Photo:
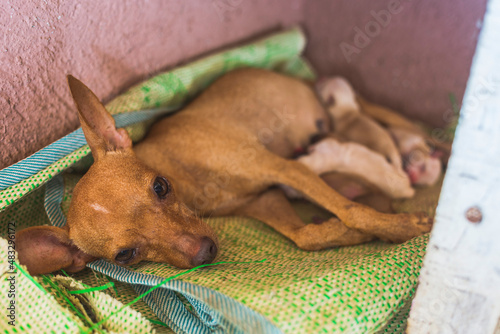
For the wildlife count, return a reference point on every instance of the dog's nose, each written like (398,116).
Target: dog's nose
(206,254)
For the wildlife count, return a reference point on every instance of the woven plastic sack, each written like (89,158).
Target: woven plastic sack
(41,305)
(362,289)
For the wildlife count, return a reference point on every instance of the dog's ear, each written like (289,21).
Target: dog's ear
(97,124)
(44,249)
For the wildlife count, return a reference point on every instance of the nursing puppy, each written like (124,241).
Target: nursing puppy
(391,150)
(403,144)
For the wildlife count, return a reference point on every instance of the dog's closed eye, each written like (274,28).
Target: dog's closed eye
(125,256)
(161,187)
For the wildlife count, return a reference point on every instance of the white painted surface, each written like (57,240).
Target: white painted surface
(459,288)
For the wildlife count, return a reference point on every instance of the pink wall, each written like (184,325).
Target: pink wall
(109,45)
(409,54)
(413,63)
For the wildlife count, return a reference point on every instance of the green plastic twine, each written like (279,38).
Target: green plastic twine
(156,322)
(97,325)
(163,282)
(55,286)
(97,288)
(25,273)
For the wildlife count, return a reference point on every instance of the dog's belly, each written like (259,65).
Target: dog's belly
(211,175)
(211,149)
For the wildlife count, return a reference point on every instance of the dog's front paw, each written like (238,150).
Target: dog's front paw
(411,225)
(424,222)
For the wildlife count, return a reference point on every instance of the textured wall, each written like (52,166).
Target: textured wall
(406,54)
(423,54)
(109,45)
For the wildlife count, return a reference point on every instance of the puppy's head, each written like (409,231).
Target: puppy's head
(337,95)
(422,168)
(121,210)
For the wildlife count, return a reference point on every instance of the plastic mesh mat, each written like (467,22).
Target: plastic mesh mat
(362,289)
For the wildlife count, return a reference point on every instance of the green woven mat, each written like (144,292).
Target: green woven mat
(45,305)
(362,289)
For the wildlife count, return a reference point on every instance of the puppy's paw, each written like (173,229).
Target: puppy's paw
(397,185)
(323,156)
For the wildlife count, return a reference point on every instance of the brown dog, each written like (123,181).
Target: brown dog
(220,156)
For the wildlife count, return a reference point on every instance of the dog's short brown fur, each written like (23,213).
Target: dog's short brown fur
(221,155)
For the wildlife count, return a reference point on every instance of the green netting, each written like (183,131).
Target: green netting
(362,289)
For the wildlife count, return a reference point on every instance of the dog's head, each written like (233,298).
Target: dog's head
(121,210)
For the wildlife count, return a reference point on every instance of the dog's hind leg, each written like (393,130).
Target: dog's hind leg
(274,209)
(393,227)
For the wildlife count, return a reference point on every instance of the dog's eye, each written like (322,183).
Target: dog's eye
(125,255)
(161,187)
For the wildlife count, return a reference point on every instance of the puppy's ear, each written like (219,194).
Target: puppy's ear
(97,124)
(44,249)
